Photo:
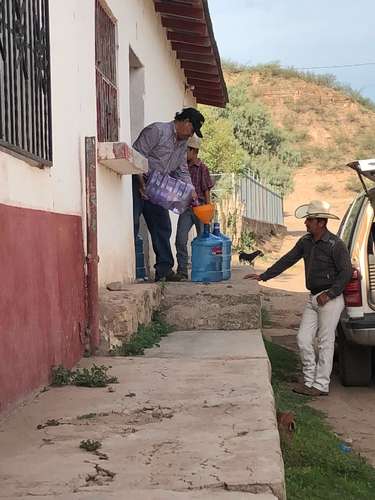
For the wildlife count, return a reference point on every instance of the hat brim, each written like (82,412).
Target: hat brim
(302,213)
(198,132)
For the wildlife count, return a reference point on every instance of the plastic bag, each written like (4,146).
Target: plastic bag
(168,192)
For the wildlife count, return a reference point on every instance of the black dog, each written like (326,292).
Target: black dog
(249,257)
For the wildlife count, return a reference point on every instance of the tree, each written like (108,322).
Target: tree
(220,149)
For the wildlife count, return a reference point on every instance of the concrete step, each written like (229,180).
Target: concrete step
(228,305)
(121,311)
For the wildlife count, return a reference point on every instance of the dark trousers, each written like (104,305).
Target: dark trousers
(160,228)
(185,222)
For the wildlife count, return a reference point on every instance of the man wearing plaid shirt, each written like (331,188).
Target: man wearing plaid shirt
(202,182)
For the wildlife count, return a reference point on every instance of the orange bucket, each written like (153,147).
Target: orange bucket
(205,213)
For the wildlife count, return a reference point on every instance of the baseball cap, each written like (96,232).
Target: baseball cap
(194,116)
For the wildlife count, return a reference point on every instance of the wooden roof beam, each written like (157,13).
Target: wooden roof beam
(202,76)
(210,69)
(204,84)
(179,24)
(194,49)
(191,56)
(179,9)
(212,102)
(188,38)
(199,92)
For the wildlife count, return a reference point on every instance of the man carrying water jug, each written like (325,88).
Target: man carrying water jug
(202,182)
(165,146)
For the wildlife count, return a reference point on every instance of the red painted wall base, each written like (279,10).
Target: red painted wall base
(42,297)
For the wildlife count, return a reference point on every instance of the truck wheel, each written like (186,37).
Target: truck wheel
(355,362)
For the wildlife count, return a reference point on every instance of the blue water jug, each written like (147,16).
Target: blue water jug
(207,257)
(140,270)
(227,251)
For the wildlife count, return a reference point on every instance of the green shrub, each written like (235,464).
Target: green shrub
(354,184)
(246,242)
(61,376)
(322,188)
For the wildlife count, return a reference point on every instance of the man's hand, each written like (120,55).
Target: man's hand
(194,195)
(323,298)
(252,276)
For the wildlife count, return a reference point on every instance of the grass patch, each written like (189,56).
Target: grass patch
(86,416)
(95,376)
(146,336)
(315,467)
(90,444)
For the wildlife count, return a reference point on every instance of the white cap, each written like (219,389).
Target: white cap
(194,142)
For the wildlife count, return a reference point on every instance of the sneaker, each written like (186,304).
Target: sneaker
(309,391)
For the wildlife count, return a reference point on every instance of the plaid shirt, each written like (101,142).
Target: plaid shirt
(200,178)
(158,143)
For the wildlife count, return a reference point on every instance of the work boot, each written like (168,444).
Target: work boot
(171,276)
(308,391)
(183,275)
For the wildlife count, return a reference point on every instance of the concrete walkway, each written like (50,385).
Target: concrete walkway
(193,419)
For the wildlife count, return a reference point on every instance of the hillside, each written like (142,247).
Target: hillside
(327,123)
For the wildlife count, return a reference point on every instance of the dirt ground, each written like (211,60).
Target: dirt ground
(349,410)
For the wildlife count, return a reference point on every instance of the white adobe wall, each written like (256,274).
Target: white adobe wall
(61,187)
(139,27)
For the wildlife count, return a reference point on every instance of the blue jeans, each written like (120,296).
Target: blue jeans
(160,228)
(185,223)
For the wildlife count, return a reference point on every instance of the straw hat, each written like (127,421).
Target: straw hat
(194,142)
(316,209)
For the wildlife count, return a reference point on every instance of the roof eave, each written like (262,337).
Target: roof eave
(189,28)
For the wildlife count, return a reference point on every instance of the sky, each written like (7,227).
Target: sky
(302,34)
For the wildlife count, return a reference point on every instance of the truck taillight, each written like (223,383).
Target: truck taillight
(352,291)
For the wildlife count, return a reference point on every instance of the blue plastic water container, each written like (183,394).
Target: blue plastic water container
(207,257)
(227,251)
(140,270)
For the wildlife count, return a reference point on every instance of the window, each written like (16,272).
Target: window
(106,81)
(25,90)
(348,225)
(136,95)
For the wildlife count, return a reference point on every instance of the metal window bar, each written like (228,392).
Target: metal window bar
(25,83)
(106,80)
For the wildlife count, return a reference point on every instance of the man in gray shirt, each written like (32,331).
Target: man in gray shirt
(328,270)
(165,147)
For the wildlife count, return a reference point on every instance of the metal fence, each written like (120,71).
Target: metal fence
(259,202)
